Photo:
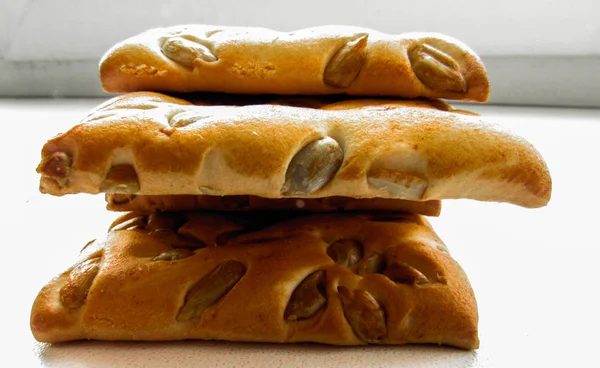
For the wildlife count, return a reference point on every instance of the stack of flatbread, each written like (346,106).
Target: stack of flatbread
(275,187)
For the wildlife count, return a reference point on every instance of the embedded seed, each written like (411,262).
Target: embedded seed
(174,254)
(212,287)
(185,52)
(119,199)
(121,179)
(131,224)
(57,166)
(313,167)
(346,64)
(412,269)
(177,240)
(74,293)
(308,298)
(363,312)
(404,274)
(87,245)
(398,184)
(345,252)
(436,69)
(375,263)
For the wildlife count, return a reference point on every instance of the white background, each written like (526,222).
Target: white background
(81,30)
(536,51)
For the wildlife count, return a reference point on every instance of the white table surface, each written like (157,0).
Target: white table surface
(533,271)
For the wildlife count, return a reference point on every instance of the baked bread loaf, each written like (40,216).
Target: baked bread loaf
(314,61)
(345,279)
(132,202)
(152,144)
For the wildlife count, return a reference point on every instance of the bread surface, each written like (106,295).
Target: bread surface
(344,279)
(313,61)
(152,144)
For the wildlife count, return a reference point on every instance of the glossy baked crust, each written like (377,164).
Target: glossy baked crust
(152,144)
(313,61)
(132,202)
(344,279)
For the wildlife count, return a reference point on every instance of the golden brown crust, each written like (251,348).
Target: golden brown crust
(329,278)
(403,149)
(313,61)
(132,202)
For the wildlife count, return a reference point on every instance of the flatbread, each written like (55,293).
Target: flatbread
(312,61)
(344,279)
(152,144)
